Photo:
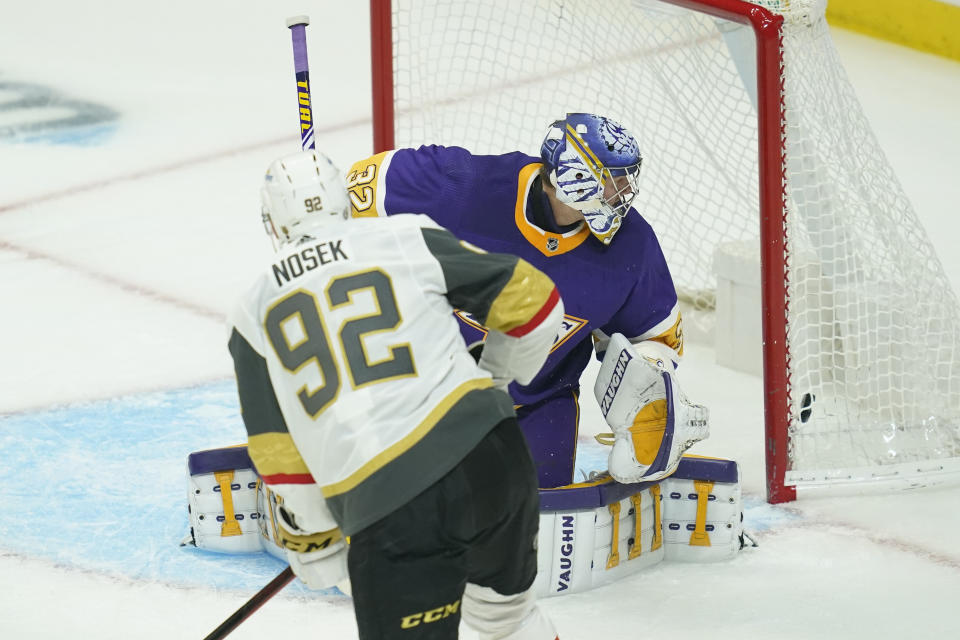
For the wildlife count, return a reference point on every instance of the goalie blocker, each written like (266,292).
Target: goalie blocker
(591,533)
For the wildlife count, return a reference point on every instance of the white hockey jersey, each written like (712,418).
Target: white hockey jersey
(354,380)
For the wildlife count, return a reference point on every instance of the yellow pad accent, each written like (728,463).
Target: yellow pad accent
(273,501)
(647,431)
(637,547)
(230,525)
(657,521)
(605,438)
(700,537)
(614,558)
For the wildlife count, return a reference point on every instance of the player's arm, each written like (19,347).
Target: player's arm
(364,182)
(423,180)
(272,450)
(518,303)
(664,338)
(307,530)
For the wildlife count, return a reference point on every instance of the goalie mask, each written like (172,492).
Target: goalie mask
(594,164)
(301,191)
(653,422)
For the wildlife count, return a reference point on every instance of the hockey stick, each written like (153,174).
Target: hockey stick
(254,603)
(298,31)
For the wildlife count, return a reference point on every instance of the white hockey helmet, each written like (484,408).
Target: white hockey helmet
(594,164)
(301,192)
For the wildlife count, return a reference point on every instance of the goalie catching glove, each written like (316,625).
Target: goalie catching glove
(653,422)
(318,559)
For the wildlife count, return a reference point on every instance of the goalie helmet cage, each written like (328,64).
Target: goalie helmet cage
(744,115)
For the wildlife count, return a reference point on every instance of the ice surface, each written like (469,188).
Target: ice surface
(124,242)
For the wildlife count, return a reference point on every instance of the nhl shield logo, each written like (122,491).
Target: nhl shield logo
(552,244)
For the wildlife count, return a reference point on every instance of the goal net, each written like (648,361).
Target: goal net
(752,137)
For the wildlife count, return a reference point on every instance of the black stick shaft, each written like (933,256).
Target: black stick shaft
(227,626)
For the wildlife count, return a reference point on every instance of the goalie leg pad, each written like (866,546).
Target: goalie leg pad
(230,509)
(593,533)
(702,511)
(596,532)
(653,422)
(222,501)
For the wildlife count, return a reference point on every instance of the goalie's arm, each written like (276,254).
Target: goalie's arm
(518,303)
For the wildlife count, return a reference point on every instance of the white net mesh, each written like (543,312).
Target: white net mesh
(873,323)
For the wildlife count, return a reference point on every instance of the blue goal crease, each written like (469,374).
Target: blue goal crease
(104,486)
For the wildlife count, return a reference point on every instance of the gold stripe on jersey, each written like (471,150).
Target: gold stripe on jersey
(524,295)
(362,182)
(404,444)
(546,242)
(275,454)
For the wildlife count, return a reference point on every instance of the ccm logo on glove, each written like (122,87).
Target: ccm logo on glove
(306,544)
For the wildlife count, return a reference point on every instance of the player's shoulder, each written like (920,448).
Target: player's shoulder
(243,315)
(434,158)
(399,220)
(428,158)
(408,226)
(454,160)
(440,157)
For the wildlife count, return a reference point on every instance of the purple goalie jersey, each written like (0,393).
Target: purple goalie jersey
(493,201)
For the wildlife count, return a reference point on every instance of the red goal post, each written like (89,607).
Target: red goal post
(744,146)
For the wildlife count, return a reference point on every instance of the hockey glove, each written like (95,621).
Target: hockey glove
(653,422)
(318,559)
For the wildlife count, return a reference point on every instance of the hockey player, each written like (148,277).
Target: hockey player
(368,417)
(560,212)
